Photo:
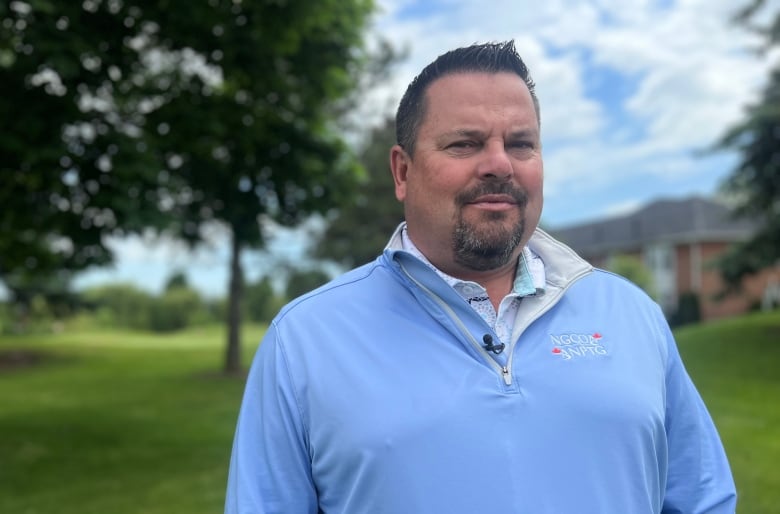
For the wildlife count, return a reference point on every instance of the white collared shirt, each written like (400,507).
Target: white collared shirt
(529,281)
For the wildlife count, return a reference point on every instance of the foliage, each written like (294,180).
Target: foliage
(177,280)
(688,310)
(69,156)
(301,281)
(755,182)
(262,302)
(172,115)
(633,269)
(359,230)
(260,141)
(127,306)
(175,309)
(34,316)
(120,305)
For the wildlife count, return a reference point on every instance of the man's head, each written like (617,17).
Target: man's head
(487,58)
(471,177)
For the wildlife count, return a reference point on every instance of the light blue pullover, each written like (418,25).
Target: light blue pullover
(373,394)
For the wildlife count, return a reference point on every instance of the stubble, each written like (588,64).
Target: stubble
(488,243)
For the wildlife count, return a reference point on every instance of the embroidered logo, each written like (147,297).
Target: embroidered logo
(570,346)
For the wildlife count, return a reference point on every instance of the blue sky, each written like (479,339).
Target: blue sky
(631,94)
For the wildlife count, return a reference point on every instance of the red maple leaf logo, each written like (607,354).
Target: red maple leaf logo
(556,350)
(597,336)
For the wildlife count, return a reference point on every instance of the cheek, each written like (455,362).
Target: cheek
(532,180)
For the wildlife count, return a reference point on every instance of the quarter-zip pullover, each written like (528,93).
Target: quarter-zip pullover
(373,394)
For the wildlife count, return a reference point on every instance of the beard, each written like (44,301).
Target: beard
(490,244)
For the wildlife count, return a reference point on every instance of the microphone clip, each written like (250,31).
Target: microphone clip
(489,346)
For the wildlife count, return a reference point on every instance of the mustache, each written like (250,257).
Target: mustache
(492,188)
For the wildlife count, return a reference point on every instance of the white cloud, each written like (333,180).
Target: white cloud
(693,69)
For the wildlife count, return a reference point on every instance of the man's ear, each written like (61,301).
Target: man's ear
(400,162)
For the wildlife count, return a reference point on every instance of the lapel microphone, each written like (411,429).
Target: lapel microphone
(489,346)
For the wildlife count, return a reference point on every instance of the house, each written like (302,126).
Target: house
(677,239)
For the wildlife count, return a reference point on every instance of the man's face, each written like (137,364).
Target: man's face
(472,192)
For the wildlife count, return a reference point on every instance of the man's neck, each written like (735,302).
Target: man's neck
(497,282)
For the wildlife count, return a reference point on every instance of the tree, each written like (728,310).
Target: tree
(301,281)
(174,115)
(177,280)
(254,138)
(755,182)
(358,231)
(261,300)
(71,170)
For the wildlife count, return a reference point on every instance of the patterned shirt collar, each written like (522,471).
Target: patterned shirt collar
(529,277)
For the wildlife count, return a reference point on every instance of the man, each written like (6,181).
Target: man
(477,365)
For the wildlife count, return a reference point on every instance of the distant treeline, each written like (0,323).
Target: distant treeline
(127,306)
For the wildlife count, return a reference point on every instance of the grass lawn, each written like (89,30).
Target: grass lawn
(115,423)
(736,367)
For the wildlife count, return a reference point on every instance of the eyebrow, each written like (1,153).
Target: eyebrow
(477,133)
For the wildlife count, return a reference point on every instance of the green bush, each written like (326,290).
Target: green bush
(261,301)
(633,269)
(175,309)
(120,305)
(688,310)
(35,316)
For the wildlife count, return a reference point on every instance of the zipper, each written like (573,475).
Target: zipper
(506,374)
(507,370)
(503,371)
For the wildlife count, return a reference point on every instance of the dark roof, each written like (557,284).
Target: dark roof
(687,220)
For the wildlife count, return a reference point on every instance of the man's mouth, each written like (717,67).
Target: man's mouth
(494,202)
(490,197)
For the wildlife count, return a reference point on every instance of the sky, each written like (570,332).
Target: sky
(633,94)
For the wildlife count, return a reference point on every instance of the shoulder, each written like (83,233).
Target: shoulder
(622,300)
(616,284)
(366,283)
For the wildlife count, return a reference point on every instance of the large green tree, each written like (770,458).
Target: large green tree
(755,182)
(181,115)
(252,136)
(70,171)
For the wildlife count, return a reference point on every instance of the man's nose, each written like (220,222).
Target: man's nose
(495,162)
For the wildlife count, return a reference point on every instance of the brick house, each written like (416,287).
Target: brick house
(677,240)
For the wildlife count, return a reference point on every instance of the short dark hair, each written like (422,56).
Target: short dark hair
(485,57)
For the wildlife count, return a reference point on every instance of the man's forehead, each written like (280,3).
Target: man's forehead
(470,86)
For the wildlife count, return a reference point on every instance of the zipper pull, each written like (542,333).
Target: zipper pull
(506,375)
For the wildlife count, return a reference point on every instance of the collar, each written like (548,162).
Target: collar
(529,277)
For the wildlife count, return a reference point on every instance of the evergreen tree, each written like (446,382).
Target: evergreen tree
(755,182)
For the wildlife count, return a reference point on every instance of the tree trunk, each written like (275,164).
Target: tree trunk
(233,353)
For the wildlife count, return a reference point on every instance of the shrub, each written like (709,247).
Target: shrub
(175,309)
(688,310)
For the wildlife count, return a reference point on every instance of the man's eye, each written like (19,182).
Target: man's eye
(462,144)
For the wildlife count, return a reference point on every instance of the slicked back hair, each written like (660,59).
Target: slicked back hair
(477,58)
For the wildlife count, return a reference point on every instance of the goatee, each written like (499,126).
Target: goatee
(489,245)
